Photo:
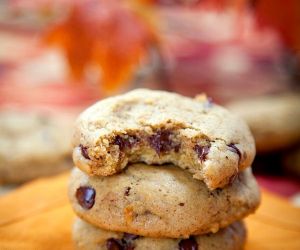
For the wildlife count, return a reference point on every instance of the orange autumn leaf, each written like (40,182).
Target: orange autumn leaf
(107,34)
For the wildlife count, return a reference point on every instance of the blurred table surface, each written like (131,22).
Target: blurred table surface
(37,215)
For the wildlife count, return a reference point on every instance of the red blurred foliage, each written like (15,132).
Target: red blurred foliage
(284,16)
(115,36)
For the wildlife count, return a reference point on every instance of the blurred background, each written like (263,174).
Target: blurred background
(57,57)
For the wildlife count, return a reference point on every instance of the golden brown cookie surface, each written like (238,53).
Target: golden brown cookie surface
(160,201)
(88,237)
(158,127)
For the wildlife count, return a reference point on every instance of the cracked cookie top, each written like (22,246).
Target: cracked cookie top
(158,127)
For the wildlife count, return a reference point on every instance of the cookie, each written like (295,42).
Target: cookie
(273,120)
(157,127)
(89,237)
(291,161)
(32,145)
(160,201)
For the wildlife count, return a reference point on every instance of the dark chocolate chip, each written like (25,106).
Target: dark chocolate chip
(129,237)
(181,204)
(188,244)
(84,151)
(202,152)
(114,244)
(126,243)
(125,143)
(234,149)
(176,148)
(127,191)
(120,142)
(86,197)
(161,142)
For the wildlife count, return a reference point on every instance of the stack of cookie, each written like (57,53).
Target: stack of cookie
(157,170)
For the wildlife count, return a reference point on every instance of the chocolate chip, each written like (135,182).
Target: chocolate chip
(86,197)
(120,142)
(129,237)
(234,149)
(127,191)
(161,142)
(181,204)
(114,244)
(84,151)
(188,244)
(202,152)
(125,143)
(176,148)
(126,243)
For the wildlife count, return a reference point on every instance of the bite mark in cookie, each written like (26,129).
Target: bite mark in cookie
(158,128)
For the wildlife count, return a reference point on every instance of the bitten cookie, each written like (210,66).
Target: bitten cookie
(88,237)
(273,120)
(158,127)
(160,201)
(32,145)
